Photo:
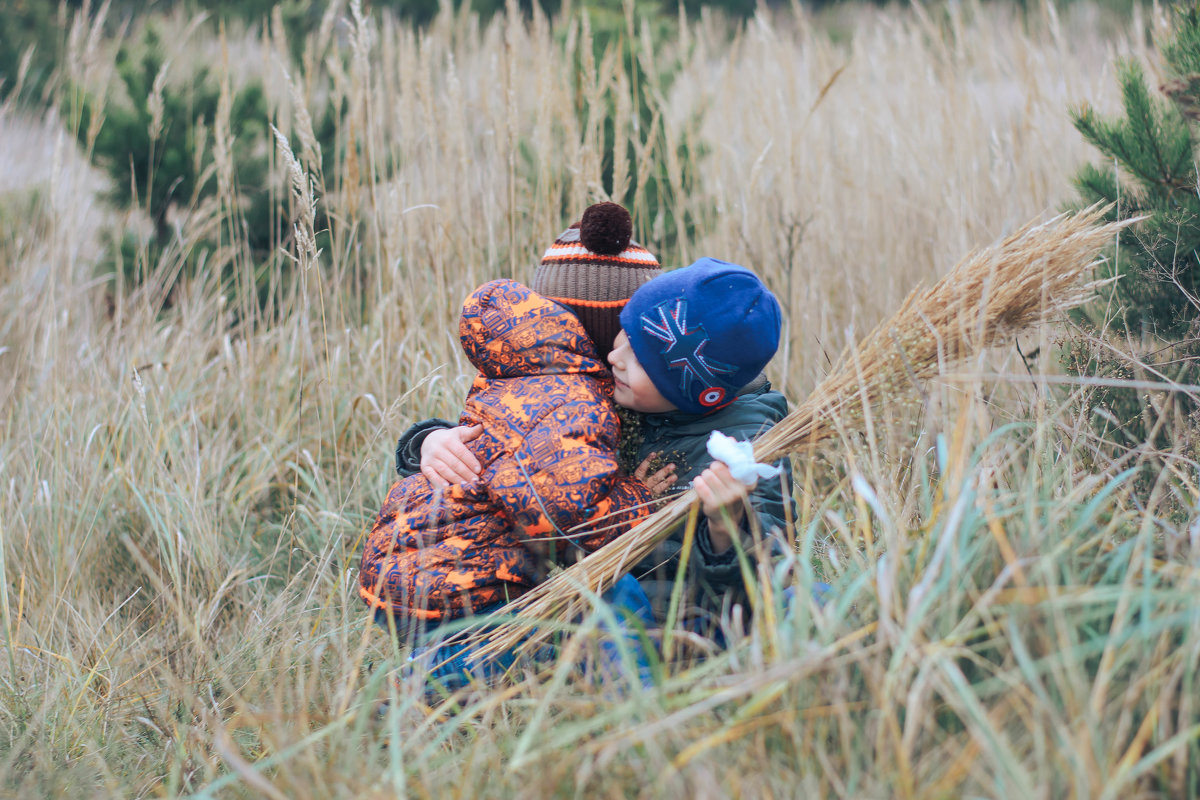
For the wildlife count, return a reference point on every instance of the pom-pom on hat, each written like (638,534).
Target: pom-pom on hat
(593,268)
(703,332)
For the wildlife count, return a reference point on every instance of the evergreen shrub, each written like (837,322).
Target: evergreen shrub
(1145,325)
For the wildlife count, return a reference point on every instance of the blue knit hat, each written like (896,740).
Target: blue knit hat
(703,332)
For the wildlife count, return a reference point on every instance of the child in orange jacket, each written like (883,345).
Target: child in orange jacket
(549,465)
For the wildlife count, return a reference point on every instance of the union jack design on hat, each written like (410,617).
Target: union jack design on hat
(684,351)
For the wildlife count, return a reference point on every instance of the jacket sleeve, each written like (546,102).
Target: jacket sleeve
(770,502)
(722,571)
(408,448)
(565,476)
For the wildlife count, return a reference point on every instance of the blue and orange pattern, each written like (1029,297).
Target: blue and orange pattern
(548,447)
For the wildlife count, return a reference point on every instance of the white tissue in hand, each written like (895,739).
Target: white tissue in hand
(739,457)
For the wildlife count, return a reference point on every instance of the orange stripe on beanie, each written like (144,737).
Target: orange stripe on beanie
(593,267)
(617,304)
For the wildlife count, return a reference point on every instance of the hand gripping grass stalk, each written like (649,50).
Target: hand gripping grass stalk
(987,299)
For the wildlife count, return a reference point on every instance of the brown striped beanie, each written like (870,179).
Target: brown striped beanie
(593,268)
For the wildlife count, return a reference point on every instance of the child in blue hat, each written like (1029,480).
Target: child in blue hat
(689,357)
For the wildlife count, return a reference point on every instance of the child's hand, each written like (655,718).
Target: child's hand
(661,481)
(445,458)
(722,497)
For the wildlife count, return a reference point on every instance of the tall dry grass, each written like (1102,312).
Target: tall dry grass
(183,491)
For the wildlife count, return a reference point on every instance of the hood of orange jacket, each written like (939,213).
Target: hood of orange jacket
(509,331)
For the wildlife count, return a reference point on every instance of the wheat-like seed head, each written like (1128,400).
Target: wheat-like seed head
(988,298)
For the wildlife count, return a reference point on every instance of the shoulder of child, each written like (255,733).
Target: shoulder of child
(760,403)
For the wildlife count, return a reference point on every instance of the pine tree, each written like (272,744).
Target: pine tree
(1152,312)
(1150,170)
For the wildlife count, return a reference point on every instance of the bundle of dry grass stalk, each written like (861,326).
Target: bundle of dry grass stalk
(987,299)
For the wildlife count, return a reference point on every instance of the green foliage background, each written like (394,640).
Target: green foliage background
(183,492)
(1145,325)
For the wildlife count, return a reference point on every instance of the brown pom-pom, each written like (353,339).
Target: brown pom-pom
(605,228)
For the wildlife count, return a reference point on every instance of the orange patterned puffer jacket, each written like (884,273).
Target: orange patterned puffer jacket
(548,451)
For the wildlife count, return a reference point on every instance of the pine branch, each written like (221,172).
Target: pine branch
(1154,132)
(1152,143)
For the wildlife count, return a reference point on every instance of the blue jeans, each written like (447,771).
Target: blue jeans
(450,666)
(819,590)
(630,605)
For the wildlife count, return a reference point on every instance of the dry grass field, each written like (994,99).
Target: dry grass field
(187,468)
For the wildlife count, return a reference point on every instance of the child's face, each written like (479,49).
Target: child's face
(633,387)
